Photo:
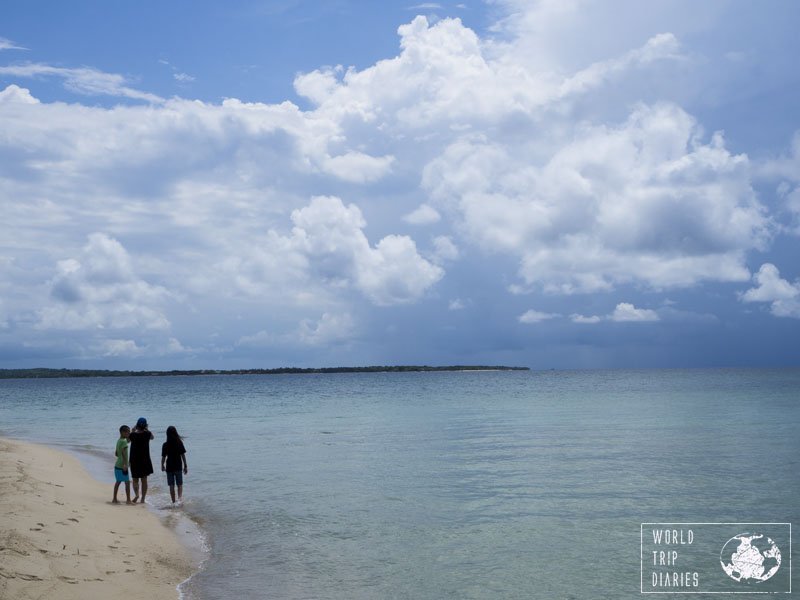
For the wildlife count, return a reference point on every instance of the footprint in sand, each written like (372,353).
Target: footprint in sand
(73,519)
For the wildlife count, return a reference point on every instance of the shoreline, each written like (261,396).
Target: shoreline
(60,535)
(49,373)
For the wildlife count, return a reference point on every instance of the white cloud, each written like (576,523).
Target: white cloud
(14,94)
(357,166)
(84,80)
(331,235)
(444,249)
(783,296)
(127,348)
(328,329)
(6,44)
(456,304)
(531,317)
(423,215)
(440,77)
(785,167)
(626,312)
(661,46)
(576,318)
(644,201)
(101,291)
(183,77)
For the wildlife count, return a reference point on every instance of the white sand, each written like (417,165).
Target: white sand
(61,538)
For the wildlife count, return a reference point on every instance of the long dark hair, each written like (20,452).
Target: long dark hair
(172,435)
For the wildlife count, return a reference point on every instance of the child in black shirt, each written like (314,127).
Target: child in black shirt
(172,455)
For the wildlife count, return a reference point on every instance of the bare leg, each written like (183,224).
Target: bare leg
(180,492)
(172,493)
(128,492)
(116,487)
(144,489)
(135,489)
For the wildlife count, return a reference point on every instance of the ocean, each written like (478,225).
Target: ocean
(462,485)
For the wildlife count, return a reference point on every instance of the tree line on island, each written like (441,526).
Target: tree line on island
(41,373)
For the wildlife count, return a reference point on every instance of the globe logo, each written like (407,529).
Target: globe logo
(750,557)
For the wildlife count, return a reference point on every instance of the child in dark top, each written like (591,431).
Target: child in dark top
(172,455)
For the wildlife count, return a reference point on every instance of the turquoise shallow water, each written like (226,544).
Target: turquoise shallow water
(444,485)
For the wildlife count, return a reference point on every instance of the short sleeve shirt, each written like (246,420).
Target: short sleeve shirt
(122,446)
(173,453)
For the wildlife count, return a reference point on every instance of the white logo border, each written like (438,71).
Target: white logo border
(641,557)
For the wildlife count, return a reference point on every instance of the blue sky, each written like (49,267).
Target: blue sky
(568,184)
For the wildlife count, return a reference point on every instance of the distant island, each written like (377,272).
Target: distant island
(53,373)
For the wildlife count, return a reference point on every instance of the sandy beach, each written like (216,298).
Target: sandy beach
(61,537)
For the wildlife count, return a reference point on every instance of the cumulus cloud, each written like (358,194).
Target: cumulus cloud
(423,215)
(645,201)
(331,235)
(444,249)
(445,75)
(661,46)
(329,329)
(626,312)
(785,166)
(128,348)
(581,319)
(100,290)
(786,170)
(783,296)
(531,317)
(357,167)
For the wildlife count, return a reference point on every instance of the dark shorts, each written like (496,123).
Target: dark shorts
(120,475)
(174,478)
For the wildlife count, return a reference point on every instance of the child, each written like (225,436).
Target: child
(121,466)
(173,453)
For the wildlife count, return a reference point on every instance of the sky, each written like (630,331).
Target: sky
(266,183)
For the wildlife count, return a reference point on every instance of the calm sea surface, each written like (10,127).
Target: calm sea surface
(442,485)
